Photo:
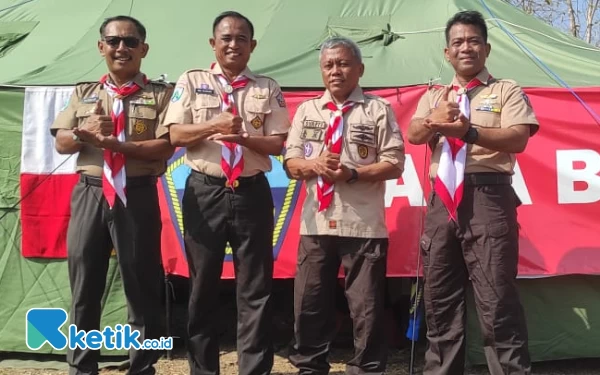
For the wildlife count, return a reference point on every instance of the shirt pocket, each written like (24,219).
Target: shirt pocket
(205,107)
(362,142)
(142,121)
(256,111)
(83,112)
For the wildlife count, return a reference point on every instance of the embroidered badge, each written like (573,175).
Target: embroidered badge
(280,99)
(259,96)
(205,89)
(256,122)
(309,134)
(332,224)
(308,149)
(140,126)
(177,94)
(314,124)
(91,99)
(363,151)
(526,99)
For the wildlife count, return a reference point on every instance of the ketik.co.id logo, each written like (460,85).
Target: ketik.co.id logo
(43,326)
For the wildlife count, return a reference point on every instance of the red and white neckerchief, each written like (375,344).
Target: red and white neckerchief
(333,141)
(232,160)
(114,177)
(451,170)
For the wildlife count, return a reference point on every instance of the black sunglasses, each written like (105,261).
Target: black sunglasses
(115,41)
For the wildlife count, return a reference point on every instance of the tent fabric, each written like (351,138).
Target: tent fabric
(399,44)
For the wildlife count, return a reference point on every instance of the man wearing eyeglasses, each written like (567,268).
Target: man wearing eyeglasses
(230,120)
(113,125)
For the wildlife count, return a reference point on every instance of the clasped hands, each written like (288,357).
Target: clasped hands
(228,128)
(447,119)
(329,167)
(97,129)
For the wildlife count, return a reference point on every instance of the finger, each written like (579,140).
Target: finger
(98,107)
(446,93)
(462,119)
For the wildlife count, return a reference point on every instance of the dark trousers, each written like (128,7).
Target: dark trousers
(364,262)
(212,216)
(483,248)
(134,233)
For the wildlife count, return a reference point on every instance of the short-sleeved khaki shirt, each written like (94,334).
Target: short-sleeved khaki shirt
(498,103)
(371,135)
(144,111)
(198,98)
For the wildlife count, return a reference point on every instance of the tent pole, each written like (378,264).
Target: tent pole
(168,313)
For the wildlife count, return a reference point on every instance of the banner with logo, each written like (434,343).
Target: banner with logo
(556,178)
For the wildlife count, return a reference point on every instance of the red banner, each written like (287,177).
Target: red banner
(556,178)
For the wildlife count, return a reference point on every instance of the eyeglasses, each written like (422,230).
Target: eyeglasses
(115,41)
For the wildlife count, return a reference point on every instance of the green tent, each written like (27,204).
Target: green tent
(54,43)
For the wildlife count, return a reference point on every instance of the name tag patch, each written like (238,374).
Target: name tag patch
(310,134)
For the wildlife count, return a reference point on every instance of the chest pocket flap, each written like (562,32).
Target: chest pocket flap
(142,111)
(255,105)
(205,101)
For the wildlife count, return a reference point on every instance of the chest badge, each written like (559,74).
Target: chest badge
(256,123)
(139,127)
(363,151)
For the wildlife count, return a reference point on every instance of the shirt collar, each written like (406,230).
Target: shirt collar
(216,69)
(356,96)
(483,76)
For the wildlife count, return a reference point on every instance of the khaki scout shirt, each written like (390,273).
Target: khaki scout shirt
(498,103)
(144,110)
(197,99)
(371,135)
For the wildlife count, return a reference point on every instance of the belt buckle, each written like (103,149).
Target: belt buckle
(235,184)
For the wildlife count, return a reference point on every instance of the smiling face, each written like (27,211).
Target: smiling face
(466,50)
(233,44)
(123,49)
(341,71)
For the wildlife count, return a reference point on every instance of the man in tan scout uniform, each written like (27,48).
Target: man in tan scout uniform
(230,120)
(344,144)
(486,121)
(115,122)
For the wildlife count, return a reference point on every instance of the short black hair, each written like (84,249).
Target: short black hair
(231,13)
(467,17)
(138,25)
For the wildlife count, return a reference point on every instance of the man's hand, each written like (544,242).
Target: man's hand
(445,111)
(99,123)
(233,138)
(455,129)
(228,123)
(97,140)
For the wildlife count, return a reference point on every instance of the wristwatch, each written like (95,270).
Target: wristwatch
(471,135)
(354,176)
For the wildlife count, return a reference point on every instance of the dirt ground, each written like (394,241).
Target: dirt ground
(398,360)
(398,365)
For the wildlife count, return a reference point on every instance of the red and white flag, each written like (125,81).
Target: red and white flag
(47,178)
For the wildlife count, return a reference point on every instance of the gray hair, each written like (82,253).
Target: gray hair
(340,41)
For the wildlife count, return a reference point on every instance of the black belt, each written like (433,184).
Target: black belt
(131,181)
(487,178)
(222,181)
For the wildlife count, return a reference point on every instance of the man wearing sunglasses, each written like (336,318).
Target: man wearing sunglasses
(113,124)
(230,120)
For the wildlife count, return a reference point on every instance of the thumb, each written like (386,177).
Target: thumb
(98,107)
(446,93)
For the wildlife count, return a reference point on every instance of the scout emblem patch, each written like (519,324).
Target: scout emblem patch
(363,151)
(66,104)
(308,149)
(256,122)
(526,98)
(177,94)
(139,126)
